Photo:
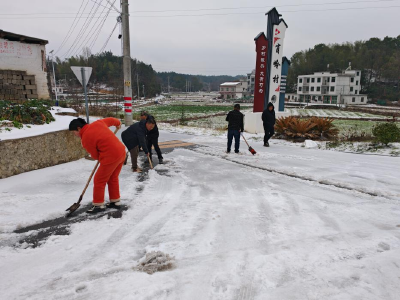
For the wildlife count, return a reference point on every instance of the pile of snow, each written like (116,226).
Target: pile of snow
(155,261)
(310,144)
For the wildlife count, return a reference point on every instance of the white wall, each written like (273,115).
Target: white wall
(26,57)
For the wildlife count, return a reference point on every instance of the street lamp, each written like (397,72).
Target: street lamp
(54,76)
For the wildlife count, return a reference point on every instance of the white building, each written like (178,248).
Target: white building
(233,90)
(290,97)
(331,88)
(23,58)
(250,82)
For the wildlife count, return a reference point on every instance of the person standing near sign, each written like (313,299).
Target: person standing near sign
(235,126)
(268,117)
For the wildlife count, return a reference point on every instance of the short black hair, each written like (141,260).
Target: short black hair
(79,122)
(150,120)
(144,113)
(237,106)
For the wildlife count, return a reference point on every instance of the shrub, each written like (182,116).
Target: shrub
(386,133)
(301,129)
(283,124)
(324,127)
(30,112)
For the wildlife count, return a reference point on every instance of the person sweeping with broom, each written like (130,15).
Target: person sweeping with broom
(235,126)
(102,144)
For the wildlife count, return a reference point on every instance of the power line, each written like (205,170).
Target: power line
(105,44)
(86,40)
(254,7)
(100,28)
(82,31)
(210,9)
(69,33)
(287,11)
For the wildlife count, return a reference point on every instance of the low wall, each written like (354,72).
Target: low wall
(37,152)
(254,124)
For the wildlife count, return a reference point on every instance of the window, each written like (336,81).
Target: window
(300,80)
(308,80)
(333,79)
(318,88)
(332,88)
(312,89)
(357,82)
(351,89)
(356,92)
(358,73)
(327,80)
(312,79)
(362,99)
(353,99)
(299,88)
(352,79)
(318,79)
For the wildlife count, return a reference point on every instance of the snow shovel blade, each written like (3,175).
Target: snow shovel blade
(252,151)
(72,208)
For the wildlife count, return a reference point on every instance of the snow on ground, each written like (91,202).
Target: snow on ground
(331,113)
(236,229)
(60,123)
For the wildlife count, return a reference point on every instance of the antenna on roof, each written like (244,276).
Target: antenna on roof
(349,67)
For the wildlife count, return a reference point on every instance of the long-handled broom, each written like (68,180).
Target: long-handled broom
(252,151)
(76,205)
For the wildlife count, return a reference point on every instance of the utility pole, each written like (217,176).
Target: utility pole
(126,53)
(54,76)
(168,84)
(144,96)
(138,90)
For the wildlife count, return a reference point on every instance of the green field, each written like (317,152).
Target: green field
(178,111)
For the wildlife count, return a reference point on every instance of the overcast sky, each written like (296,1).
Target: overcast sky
(211,37)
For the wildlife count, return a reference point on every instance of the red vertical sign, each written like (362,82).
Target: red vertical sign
(261,72)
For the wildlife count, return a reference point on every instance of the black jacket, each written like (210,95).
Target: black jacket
(153,134)
(235,119)
(135,135)
(268,116)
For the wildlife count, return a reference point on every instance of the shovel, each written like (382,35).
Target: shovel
(252,151)
(76,205)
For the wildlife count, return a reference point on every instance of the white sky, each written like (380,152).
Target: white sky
(210,45)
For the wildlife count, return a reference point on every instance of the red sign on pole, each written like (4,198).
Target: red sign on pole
(261,72)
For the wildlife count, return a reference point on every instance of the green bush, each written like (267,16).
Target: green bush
(30,112)
(386,133)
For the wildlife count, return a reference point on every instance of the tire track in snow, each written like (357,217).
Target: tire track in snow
(301,177)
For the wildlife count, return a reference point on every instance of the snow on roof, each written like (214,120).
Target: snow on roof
(230,83)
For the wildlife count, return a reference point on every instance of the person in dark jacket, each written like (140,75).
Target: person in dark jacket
(268,117)
(235,126)
(152,140)
(135,136)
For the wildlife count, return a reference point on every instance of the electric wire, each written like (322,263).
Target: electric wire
(89,36)
(84,27)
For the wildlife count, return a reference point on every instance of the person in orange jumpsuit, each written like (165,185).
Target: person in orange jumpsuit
(104,146)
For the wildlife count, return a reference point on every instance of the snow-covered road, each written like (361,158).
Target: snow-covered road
(236,231)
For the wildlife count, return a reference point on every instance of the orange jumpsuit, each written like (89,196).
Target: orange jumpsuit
(103,145)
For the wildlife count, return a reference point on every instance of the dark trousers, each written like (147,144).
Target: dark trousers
(233,133)
(269,132)
(153,141)
(134,156)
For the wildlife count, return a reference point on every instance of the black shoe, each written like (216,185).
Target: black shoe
(237,152)
(266,144)
(116,205)
(228,151)
(160,161)
(96,209)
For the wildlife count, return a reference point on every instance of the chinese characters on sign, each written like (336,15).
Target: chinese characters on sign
(276,61)
(9,48)
(261,66)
